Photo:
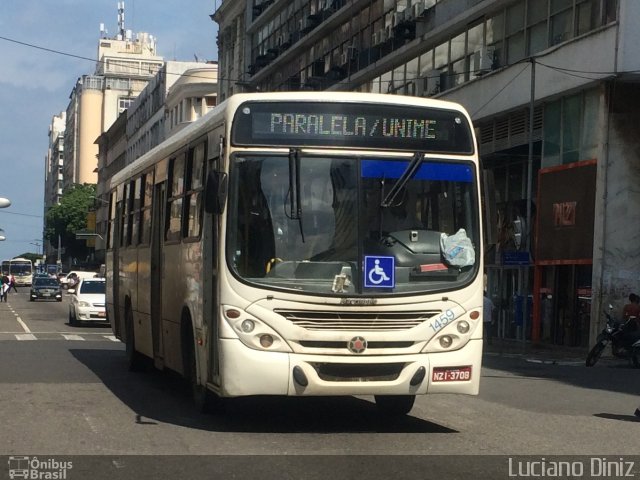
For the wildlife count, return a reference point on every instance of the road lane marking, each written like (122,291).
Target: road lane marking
(111,337)
(72,337)
(25,336)
(23,325)
(92,425)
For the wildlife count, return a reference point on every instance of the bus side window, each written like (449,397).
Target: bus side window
(175,199)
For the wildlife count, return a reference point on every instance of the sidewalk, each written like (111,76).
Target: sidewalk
(537,353)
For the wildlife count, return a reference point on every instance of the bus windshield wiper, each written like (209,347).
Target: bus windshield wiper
(295,202)
(408,173)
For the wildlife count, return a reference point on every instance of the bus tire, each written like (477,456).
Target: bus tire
(135,362)
(395,405)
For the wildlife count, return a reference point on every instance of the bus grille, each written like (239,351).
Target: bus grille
(356,321)
(346,372)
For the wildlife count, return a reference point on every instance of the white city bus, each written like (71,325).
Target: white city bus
(22,270)
(304,244)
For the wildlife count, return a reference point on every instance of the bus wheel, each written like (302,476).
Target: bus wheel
(135,361)
(395,404)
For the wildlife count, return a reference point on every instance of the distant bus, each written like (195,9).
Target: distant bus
(22,270)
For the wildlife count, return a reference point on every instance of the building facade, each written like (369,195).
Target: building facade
(123,69)
(54,161)
(179,93)
(552,88)
(53,169)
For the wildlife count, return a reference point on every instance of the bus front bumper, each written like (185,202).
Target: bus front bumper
(252,372)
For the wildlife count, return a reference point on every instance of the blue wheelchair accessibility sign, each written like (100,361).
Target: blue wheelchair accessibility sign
(378,272)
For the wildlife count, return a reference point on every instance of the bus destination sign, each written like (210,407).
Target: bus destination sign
(352,125)
(311,125)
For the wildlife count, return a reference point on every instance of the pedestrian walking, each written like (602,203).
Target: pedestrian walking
(12,283)
(5,287)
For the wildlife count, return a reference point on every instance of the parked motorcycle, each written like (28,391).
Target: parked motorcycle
(621,345)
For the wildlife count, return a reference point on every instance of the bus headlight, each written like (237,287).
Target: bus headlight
(266,340)
(247,326)
(463,326)
(453,334)
(254,333)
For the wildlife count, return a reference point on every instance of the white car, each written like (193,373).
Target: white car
(87,302)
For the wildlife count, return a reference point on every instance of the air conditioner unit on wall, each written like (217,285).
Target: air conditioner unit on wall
(380,36)
(408,14)
(388,33)
(397,19)
(483,60)
(417,9)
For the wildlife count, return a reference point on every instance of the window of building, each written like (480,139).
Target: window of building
(522,28)
(571,129)
(459,66)
(571,119)
(495,37)
(587,15)
(124,103)
(441,63)
(561,21)
(475,43)
(411,76)
(515,33)
(537,35)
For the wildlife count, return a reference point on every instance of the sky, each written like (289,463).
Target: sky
(35,83)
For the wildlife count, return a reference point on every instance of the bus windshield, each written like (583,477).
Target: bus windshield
(327,224)
(21,268)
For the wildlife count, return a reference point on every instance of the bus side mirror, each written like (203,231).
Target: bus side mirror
(216,192)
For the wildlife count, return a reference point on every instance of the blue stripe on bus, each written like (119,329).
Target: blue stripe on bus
(428,170)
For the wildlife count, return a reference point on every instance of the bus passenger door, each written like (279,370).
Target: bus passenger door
(211,256)
(156,273)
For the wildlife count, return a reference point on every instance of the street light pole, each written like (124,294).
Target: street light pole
(4,203)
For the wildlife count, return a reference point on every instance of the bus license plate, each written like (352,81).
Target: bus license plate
(451,374)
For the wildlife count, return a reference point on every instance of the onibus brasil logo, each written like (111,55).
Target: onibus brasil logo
(37,469)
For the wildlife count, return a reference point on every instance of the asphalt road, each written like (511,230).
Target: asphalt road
(66,391)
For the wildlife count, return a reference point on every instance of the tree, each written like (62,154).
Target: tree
(70,216)
(30,256)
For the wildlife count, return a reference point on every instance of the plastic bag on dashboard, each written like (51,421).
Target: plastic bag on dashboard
(457,249)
